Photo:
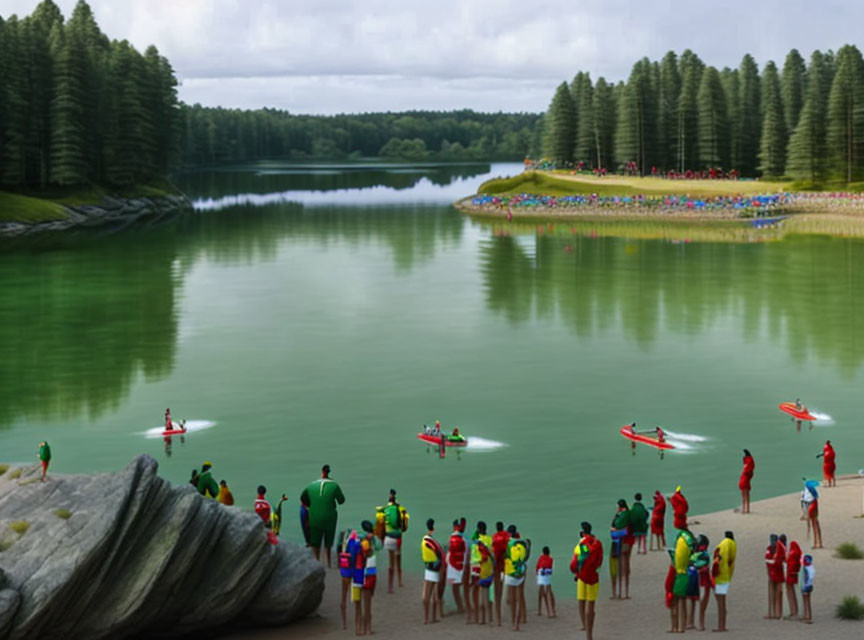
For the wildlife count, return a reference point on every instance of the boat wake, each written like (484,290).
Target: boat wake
(684,442)
(191,427)
(482,444)
(822,419)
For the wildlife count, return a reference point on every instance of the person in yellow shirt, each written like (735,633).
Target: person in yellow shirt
(225,496)
(723,570)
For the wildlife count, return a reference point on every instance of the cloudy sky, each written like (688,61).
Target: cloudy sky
(332,56)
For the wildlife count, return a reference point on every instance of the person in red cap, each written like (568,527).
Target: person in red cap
(500,543)
(679,509)
(658,521)
(262,507)
(828,464)
(744,481)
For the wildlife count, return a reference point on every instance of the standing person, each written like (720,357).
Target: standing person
(810,497)
(456,562)
(346,557)
(702,563)
(207,486)
(829,466)
(44,457)
(371,545)
(514,576)
(639,524)
(658,522)
(395,524)
(744,481)
(723,570)
(619,553)
(543,570)
(321,497)
(679,509)
(262,507)
(500,541)
(684,548)
(482,573)
(809,572)
(587,558)
(793,566)
(225,496)
(433,558)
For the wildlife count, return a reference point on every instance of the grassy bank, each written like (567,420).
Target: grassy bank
(46,205)
(563,184)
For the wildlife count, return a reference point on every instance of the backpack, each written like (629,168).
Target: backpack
(403,519)
(391,516)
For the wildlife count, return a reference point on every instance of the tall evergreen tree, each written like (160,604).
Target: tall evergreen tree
(605,116)
(713,121)
(586,142)
(793,89)
(732,89)
(13,162)
(846,115)
(559,126)
(750,116)
(637,110)
(668,93)
(687,126)
(772,151)
(576,86)
(68,166)
(807,155)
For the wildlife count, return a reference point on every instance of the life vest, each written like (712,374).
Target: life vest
(684,546)
(431,553)
(514,561)
(380,527)
(457,551)
(348,539)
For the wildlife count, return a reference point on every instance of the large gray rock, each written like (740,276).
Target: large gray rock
(140,556)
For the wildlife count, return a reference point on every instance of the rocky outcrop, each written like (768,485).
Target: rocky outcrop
(129,554)
(110,211)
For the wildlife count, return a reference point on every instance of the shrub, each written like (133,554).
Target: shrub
(65,514)
(5,544)
(19,526)
(850,609)
(16,473)
(3,468)
(849,551)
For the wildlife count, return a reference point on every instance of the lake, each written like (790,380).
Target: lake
(311,314)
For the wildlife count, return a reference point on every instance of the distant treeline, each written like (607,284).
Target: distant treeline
(77,108)
(215,135)
(805,121)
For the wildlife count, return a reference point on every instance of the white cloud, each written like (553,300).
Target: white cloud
(342,55)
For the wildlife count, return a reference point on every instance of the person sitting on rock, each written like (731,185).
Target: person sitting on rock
(225,496)
(262,507)
(207,486)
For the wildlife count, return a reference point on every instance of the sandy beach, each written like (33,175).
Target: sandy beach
(645,616)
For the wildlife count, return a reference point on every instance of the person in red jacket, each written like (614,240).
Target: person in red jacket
(456,561)
(793,567)
(828,464)
(262,507)
(744,481)
(500,543)
(658,521)
(587,558)
(775,559)
(679,509)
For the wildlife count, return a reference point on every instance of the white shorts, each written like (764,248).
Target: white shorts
(454,575)
(391,544)
(544,581)
(510,581)
(721,588)
(432,576)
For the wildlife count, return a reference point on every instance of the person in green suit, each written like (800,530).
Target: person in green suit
(321,498)
(639,524)
(44,457)
(207,486)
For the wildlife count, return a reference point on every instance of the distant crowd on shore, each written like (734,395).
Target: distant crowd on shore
(631,169)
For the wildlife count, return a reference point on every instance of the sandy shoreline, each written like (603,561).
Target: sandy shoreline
(644,616)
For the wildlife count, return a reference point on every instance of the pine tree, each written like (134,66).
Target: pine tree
(750,116)
(636,127)
(605,115)
(559,126)
(576,86)
(846,115)
(713,122)
(13,162)
(772,150)
(585,149)
(687,131)
(732,89)
(668,94)
(807,152)
(4,80)
(793,89)
(68,166)
(127,148)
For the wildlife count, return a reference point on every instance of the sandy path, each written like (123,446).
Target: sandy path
(400,615)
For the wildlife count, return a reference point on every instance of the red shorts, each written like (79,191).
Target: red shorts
(791,577)
(369,582)
(813,509)
(45,465)
(744,483)
(657,527)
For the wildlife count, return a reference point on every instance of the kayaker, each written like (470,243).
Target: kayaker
(456,435)
(322,496)
(44,457)
(436,430)
(207,486)
(744,481)
(225,496)
(661,435)
(262,507)
(168,423)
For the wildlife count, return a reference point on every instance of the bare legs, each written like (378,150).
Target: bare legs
(367,613)
(817,531)
(430,601)
(703,606)
(346,587)
(745,500)
(390,571)
(793,601)
(808,612)
(721,612)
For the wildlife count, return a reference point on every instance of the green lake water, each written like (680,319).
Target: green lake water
(322,314)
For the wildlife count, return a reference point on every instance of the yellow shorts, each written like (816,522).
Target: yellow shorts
(587,591)
(356,591)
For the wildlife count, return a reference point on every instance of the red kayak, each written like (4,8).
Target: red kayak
(449,441)
(792,410)
(645,438)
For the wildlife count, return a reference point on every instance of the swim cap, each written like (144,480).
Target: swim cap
(430,524)
(678,489)
(586,527)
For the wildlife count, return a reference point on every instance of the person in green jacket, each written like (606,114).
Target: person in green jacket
(639,524)
(321,498)
(622,537)
(44,457)
(207,486)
